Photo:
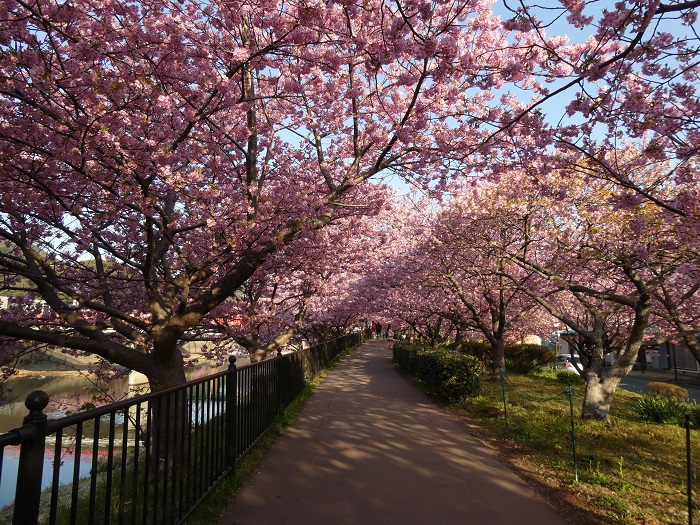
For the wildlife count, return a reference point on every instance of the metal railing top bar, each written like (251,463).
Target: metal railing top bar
(55,424)
(16,436)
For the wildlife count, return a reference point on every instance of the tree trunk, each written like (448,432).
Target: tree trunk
(169,423)
(601,384)
(598,396)
(165,375)
(691,343)
(498,357)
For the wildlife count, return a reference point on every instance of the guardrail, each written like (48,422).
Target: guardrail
(155,457)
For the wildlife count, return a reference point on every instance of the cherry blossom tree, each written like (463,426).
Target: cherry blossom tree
(678,297)
(309,291)
(405,294)
(156,155)
(600,265)
(467,256)
(160,160)
(628,72)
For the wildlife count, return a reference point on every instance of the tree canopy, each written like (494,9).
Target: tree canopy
(180,169)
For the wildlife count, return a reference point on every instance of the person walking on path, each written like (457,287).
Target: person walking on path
(370,448)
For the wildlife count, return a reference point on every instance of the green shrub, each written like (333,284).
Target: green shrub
(694,411)
(475,348)
(449,375)
(569,378)
(404,355)
(667,390)
(664,410)
(525,358)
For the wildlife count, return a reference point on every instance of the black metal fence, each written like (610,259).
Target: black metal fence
(153,458)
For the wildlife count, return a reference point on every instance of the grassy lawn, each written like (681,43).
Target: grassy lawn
(629,472)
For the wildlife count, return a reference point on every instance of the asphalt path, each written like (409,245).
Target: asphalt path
(370,448)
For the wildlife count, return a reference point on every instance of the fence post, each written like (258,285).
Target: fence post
(31,460)
(279,382)
(505,405)
(231,403)
(570,391)
(689,468)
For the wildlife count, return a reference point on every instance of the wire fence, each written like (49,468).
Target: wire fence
(586,448)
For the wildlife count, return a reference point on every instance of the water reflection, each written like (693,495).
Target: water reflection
(11,465)
(70,392)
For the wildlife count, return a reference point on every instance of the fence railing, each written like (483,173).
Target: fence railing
(152,458)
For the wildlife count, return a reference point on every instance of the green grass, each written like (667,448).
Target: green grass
(630,471)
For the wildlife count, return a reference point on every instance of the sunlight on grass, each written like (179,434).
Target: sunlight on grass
(630,472)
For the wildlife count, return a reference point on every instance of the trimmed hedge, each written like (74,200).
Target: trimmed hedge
(521,358)
(404,355)
(667,390)
(447,374)
(569,377)
(524,358)
(475,348)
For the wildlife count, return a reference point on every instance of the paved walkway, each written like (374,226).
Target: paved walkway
(369,448)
